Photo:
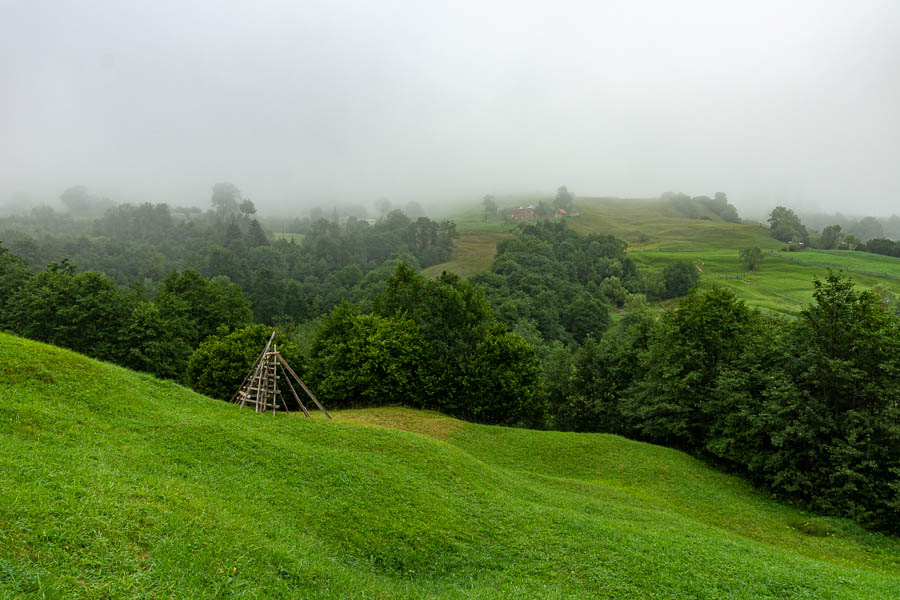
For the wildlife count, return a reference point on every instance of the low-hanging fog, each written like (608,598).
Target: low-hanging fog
(314,102)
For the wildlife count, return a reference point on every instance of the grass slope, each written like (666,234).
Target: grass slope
(473,253)
(657,225)
(115,484)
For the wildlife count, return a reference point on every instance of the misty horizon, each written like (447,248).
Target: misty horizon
(341,103)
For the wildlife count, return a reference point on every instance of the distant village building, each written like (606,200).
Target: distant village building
(560,214)
(344,219)
(521,214)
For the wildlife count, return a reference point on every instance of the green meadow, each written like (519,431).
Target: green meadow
(473,252)
(114,484)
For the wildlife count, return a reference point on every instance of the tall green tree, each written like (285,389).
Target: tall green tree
(201,306)
(680,278)
(255,235)
(751,257)
(785,226)
(367,360)
(691,345)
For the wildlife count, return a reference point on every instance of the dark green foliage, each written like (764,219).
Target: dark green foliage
(831,237)
(200,306)
(234,239)
(721,207)
(138,244)
(680,278)
(806,408)
(153,342)
(607,373)
(469,365)
(882,246)
(366,360)
(690,347)
(693,207)
(586,314)
(786,226)
(219,365)
(501,382)
(847,365)
(560,280)
(82,312)
(13,275)
(144,222)
(255,236)
(87,312)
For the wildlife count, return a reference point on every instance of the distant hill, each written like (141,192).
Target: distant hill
(658,233)
(115,484)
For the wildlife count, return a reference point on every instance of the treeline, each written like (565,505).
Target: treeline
(808,408)
(426,344)
(698,206)
(138,245)
(865,235)
(90,313)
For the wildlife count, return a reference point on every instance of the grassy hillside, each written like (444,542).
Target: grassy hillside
(656,225)
(473,253)
(657,235)
(115,484)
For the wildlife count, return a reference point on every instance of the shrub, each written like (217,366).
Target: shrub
(221,363)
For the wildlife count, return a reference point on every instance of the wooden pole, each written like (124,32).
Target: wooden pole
(303,385)
(296,397)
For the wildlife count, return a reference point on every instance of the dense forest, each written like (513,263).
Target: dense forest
(805,407)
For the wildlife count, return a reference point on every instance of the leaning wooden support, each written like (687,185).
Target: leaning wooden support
(296,397)
(303,385)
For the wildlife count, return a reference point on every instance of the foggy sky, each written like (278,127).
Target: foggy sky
(303,102)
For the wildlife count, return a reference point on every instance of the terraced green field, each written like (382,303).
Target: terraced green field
(117,485)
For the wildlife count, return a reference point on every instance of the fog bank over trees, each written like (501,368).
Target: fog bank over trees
(317,103)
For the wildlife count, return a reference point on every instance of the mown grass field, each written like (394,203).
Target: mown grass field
(116,485)
(473,252)
(657,235)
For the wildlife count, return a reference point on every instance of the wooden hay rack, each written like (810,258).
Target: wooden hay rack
(260,388)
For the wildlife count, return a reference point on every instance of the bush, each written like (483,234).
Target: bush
(219,365)
(366,360)
(680,277)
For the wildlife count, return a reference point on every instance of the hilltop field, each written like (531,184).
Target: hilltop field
(116,484)
(658,234)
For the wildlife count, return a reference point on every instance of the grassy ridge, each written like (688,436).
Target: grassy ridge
(116,484)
